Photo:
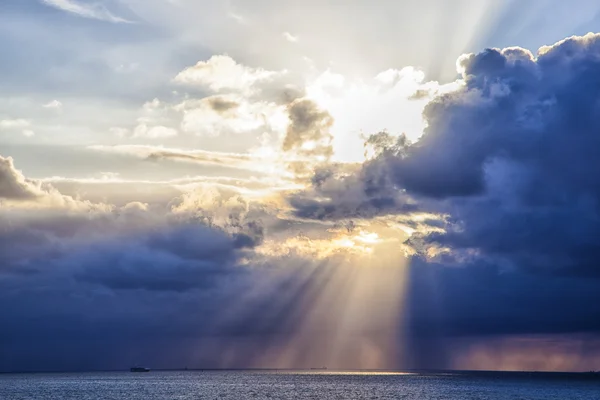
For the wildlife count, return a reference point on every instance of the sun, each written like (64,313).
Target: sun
(392,101)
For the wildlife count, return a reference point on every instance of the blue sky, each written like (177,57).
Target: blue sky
(289,184)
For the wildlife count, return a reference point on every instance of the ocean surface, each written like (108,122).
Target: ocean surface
(324,385)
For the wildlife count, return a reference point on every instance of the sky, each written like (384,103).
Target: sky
(286,184)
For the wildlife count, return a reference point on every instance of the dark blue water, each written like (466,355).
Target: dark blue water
(293,385)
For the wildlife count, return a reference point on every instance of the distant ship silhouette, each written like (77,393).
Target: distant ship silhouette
(317,368)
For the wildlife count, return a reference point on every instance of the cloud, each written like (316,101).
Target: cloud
(13,185)
(449,308)
(154,132)
(526,149)
(229,114)
(14,123)
(222,73)
(156,153)
(508,157)
(289,37)
(153,122)
(17,124)
(92,11)
(340,191)
(308,136)
(181,258)
(386,101)
(222,105)
(190,255)
(138,268)
(505,167)
(118,131)
(54,104)
(17,192)
(223,97)
(64,231)
(149,268)
(112,189)
(556,353)
(309,125)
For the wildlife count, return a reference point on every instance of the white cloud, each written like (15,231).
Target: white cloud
(289,37)
(155,104)
(119,132)
(54,104)
(238,18)
(223,73)
(14,123)
(202,117)
(154,121)
(113,189)
(154,132)
(16,190)
(17,124)
(93,11)
(245,99)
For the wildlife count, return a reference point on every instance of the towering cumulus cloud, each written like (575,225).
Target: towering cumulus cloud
(511,157)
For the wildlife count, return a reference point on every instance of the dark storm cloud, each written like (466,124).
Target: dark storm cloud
(180,259)
(23,239)
(529,142)
(52,228)
(123,250)
(188,316)
(74,276)
(340,192)
(511,157)
(480,300)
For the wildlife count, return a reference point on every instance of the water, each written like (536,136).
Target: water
(240,385)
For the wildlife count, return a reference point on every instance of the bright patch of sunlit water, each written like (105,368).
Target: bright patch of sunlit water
(293,385)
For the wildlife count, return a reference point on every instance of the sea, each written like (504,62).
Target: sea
(322,385)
